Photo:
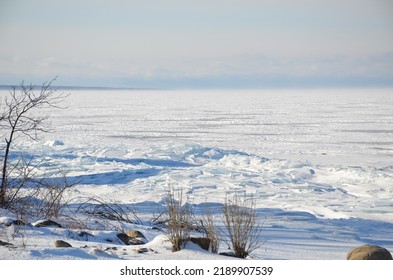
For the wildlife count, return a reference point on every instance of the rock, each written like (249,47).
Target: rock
(369,252)
(132,237)
(202,242)
(229,254)
(7,221)
(110,249)
(2,243)
(134,234)
(130,240)
(19,223)
(62,244)
(84,235)
(141,250)
(123,237)
(46,223)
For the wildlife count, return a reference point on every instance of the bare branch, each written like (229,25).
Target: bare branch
(18,118)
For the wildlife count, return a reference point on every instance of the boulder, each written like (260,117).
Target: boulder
(123,237)
(130,240)
(369,252)
(134,234)
(62,244)
(202,242)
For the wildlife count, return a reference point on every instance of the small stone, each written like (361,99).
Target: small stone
(85,235)
(141,250)
(369,252)
(62,244)
(110,249)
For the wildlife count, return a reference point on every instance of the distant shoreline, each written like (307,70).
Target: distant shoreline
(102,88)
(7,87)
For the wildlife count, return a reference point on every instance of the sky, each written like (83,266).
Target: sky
(198,44)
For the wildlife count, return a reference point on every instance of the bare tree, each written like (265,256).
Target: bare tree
(18,118)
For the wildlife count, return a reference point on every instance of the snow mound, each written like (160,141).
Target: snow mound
(54,143)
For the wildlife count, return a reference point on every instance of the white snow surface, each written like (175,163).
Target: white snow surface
(317,162)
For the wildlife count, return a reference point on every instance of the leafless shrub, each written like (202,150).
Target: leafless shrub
(240,221)
(51,196)
(211,230)
(179,219)
(18,233)
(100,208)
(19,186)
(39,197)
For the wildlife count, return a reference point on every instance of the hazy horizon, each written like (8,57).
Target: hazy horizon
(198,44)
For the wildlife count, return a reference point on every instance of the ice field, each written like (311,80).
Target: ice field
(318,162)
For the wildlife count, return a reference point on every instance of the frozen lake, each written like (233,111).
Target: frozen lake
(328,152)
(318,162)
(341,127)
